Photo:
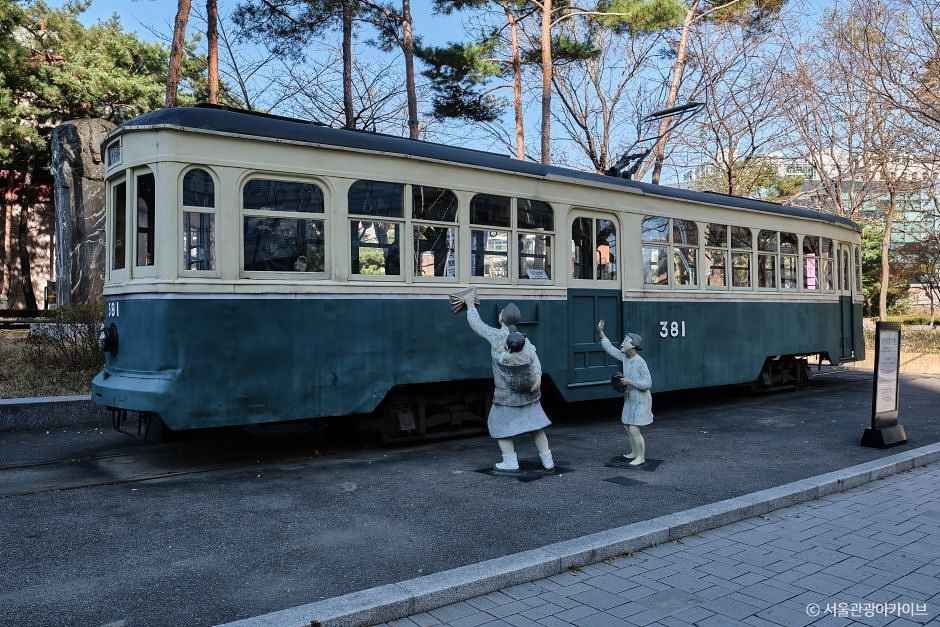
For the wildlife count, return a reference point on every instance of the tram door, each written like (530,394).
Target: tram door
(593,294)
(846,288)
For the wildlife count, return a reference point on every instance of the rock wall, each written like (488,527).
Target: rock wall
(78,173)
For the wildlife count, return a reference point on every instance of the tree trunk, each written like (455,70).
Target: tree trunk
(408,48)
(347,64)
(678,68)
(516,83)
(177,50)
(27,198)
(212,14)
(546,81)
(885,261)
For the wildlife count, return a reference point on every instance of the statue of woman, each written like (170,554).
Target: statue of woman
(637,402)
(517,374)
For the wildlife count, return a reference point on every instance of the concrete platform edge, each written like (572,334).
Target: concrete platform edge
(44,412)
(389,602)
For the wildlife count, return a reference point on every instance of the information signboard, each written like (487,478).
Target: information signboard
(885,430)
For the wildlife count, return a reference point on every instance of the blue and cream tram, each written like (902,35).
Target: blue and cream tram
(264,269)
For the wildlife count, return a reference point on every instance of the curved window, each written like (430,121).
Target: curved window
(490,210)
(594,249)
(742,245)
(716,255)
(376,243)
(826,265)
(119,225)
(146,188)
(811,262)
(789,261)
(279,234)
(377,198)
(665,239)
(198,189)
(434,214)
(198,221)
(489,248)
(535,222)
(278,195)
(767,256)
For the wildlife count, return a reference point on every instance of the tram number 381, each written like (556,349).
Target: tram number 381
(672,328)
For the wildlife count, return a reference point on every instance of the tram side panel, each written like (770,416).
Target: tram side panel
(230,361)
(694,344)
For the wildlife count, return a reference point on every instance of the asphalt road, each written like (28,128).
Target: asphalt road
(259,522)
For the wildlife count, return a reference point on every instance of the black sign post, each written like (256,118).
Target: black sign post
(885,429)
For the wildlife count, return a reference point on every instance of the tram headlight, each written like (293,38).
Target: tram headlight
(108,339)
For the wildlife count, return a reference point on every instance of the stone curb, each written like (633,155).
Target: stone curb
(393,601)
(42,412)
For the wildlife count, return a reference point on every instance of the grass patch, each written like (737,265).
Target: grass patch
(20,377)
(912,340)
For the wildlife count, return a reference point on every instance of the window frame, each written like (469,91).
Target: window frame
(798,256)
(857,260)
(517,231)
(671,250)
(412,242)
(472,226)
(152,270)
(325,189)
(752,260)
(829,262)
(118,275)
(213,211)
(594,215)
(727,253)
(406,258)
(758,253)
(803,285)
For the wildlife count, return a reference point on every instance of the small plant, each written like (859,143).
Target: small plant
(69,340)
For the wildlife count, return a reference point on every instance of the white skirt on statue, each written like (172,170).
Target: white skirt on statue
(507,422)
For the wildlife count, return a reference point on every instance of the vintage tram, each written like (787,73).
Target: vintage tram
(265,269)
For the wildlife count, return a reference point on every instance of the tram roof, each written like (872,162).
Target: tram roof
(227,120)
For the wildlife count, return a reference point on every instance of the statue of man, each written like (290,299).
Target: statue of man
(517,374)
(637,402)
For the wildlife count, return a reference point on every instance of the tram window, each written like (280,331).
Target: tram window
(684,253)
(582,244)
(489,254)
(741,269)
(198,189)
(858,270)
(276,195)
(716,255)
(433,203)
(377,198)
(742,243)
(490,210)
(198,221)
(606,249)
(655,265)
(741,238)
(767,263)
(535,256)
(655,234)
(844,284)
(789,261)
(435,251)
(146,218)
(811,263)
(119,248)
(282,244)
(825,265)
(198,240)
(534,247)
(534,215)
(716,235)
(655,229)
(684,232)
(376,248)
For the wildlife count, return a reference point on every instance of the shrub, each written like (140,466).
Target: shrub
(68,340)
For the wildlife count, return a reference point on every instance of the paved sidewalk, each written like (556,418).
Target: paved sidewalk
(870,556)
